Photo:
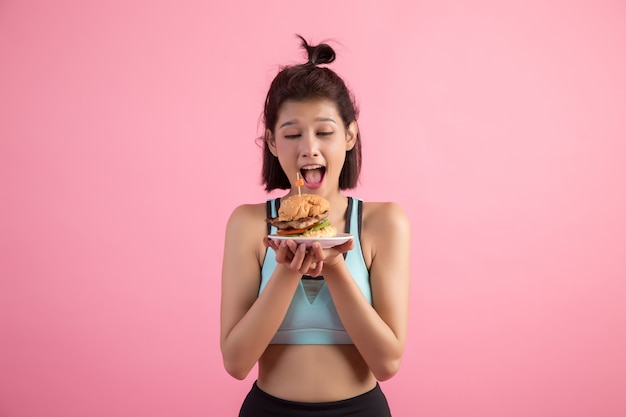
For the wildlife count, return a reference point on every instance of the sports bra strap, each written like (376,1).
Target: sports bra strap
(268,215)
(360,215)
(348,215)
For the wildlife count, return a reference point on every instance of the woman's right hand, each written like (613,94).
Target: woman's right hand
(295,257)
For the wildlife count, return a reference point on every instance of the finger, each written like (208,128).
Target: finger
(309,263)
(344,247)
(316,254)
(298,257)
(283,254)
(293,246)
(317,250)
(270,243)
(317,269)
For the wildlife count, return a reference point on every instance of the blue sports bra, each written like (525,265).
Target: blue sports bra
(312,317)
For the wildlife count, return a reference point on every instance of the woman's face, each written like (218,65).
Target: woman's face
(311,140)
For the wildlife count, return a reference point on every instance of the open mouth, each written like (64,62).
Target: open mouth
(313,174)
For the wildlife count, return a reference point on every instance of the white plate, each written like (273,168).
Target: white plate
(327,242)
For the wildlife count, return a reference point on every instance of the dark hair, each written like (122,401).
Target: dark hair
(303,82)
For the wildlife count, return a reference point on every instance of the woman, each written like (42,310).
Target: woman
(321,344)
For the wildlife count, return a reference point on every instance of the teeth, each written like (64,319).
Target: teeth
(312,167)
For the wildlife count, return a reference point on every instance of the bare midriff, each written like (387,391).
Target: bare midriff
(314,373)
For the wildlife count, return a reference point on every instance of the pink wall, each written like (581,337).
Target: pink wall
(127,136)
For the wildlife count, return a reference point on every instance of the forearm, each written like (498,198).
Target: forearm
(376,341)
(249,338)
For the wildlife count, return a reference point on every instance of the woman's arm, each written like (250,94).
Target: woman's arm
(248,320)
(378,330)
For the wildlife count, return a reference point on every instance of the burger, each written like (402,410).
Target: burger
(303,215)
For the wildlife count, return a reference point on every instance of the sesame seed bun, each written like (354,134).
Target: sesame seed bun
(301,206)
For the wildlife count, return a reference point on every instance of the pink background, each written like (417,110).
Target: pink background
(127,135)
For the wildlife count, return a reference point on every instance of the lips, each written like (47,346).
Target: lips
(313,175)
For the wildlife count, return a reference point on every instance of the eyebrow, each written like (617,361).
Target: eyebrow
(318,119)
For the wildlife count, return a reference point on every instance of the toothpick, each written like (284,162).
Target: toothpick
(299,182)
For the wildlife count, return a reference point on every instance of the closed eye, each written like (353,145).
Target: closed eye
(292,136)
(324,133)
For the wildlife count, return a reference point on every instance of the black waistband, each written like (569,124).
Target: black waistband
(259,403)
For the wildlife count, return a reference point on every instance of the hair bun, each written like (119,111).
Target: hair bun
(318,54)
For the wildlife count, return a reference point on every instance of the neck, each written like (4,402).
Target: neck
(338,207)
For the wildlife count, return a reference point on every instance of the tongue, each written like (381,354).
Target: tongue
(313,176)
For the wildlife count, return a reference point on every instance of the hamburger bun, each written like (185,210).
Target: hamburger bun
(304,215)
(302,206)
(328,231)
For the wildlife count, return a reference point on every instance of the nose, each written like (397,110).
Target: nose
(309,145)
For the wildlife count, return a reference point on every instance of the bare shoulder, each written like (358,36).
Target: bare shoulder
(246,228)
(247,214)
(385,229)
(388,217)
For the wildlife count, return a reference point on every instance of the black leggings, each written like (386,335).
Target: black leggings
(261,404)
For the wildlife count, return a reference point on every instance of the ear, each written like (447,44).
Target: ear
(271,142)
(351,135)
